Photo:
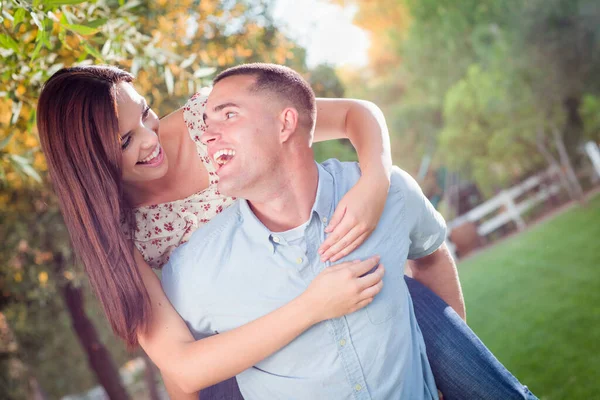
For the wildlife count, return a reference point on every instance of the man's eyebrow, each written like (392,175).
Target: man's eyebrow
(224,105)
(219,108)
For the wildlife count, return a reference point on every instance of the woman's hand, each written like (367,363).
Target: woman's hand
(343,288)
(355,217)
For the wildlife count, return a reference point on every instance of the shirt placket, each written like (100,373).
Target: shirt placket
(338,327)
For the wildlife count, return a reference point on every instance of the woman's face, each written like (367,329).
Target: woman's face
(143,156)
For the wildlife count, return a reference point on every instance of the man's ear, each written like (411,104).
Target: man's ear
(289,123)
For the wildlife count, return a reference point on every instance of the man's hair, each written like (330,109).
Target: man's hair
(284,83)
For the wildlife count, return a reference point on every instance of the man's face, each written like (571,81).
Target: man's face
(242,135)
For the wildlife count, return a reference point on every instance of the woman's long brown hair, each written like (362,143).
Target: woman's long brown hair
(77,120)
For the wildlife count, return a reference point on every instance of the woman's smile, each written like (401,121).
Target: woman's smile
(154,159)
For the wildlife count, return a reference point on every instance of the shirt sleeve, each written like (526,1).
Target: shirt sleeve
(427,228)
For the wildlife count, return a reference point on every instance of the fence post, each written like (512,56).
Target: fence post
(592,149)
(511,209)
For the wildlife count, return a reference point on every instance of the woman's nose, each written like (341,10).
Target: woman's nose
(149,139)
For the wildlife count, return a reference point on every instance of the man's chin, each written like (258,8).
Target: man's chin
(227,188)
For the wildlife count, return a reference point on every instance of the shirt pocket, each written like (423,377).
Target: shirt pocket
(389,300)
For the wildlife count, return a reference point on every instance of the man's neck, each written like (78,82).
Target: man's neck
(289,203)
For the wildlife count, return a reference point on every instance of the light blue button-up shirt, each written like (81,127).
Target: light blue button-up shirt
(234,270)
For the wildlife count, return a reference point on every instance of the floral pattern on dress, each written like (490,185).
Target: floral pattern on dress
(161,228)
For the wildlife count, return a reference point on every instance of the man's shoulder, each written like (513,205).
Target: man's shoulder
(342,172)
(401,182)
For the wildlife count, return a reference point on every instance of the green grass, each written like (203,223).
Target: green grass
(534,300)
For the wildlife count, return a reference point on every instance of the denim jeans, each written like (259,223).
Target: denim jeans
(464,369)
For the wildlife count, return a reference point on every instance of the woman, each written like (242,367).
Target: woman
(105,159)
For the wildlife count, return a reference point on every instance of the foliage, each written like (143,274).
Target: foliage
(474,83)
(173,48)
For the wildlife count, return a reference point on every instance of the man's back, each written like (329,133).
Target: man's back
(235,270)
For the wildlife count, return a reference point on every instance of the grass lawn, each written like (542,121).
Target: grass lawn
(534,300)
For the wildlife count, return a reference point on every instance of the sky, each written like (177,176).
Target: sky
(325,30)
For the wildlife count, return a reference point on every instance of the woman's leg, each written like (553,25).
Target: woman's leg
(462,366)
(226,390)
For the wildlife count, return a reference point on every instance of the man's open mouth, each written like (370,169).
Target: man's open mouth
(222,157)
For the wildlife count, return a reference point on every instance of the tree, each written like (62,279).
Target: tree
(545,54)
(172,47)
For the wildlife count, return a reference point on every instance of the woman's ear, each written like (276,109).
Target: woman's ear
(289,123)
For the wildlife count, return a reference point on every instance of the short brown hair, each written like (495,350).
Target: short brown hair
(283,82)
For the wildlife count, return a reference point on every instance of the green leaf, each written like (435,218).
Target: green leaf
(204,72)
(19,17)
(36,51)
(24,166)
(81,29)
(16,111)
(8,43)
(56,3)
(169,80)
(90,50)
(36,20)
(62,36)
(97,23)
(6,140)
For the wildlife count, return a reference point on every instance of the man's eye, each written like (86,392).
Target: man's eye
(229,114)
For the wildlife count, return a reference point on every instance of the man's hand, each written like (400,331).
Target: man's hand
(355,217)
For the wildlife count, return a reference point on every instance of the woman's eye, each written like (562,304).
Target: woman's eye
(146,112)
(125,143)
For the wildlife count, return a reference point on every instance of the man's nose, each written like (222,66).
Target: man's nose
(210,134)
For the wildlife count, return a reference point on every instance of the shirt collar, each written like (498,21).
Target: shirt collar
(323,207)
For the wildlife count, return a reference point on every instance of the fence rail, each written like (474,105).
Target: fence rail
(506,199)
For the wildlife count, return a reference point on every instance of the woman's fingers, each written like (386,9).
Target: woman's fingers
(347,235)
(362,304)
(341,230)
(337,217)
(371,279)
(372,291)
(350,248)
(363,267)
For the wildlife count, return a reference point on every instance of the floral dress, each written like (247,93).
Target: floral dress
(161,228)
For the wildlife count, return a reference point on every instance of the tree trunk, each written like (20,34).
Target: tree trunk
(566,162)
(564,181)
(573,127)
(35,389)
(150,378)
(98,356)
(20,373)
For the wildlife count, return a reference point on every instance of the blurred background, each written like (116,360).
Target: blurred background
(493,105)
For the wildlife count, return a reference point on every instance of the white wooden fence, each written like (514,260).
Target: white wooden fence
(506,199)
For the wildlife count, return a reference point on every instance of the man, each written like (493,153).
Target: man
(262,251)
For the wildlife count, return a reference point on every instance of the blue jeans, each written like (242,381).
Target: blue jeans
(462,366)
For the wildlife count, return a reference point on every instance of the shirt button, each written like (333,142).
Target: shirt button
(276,239)
(324,219)
(357,387)
(299,260)
(342,342)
